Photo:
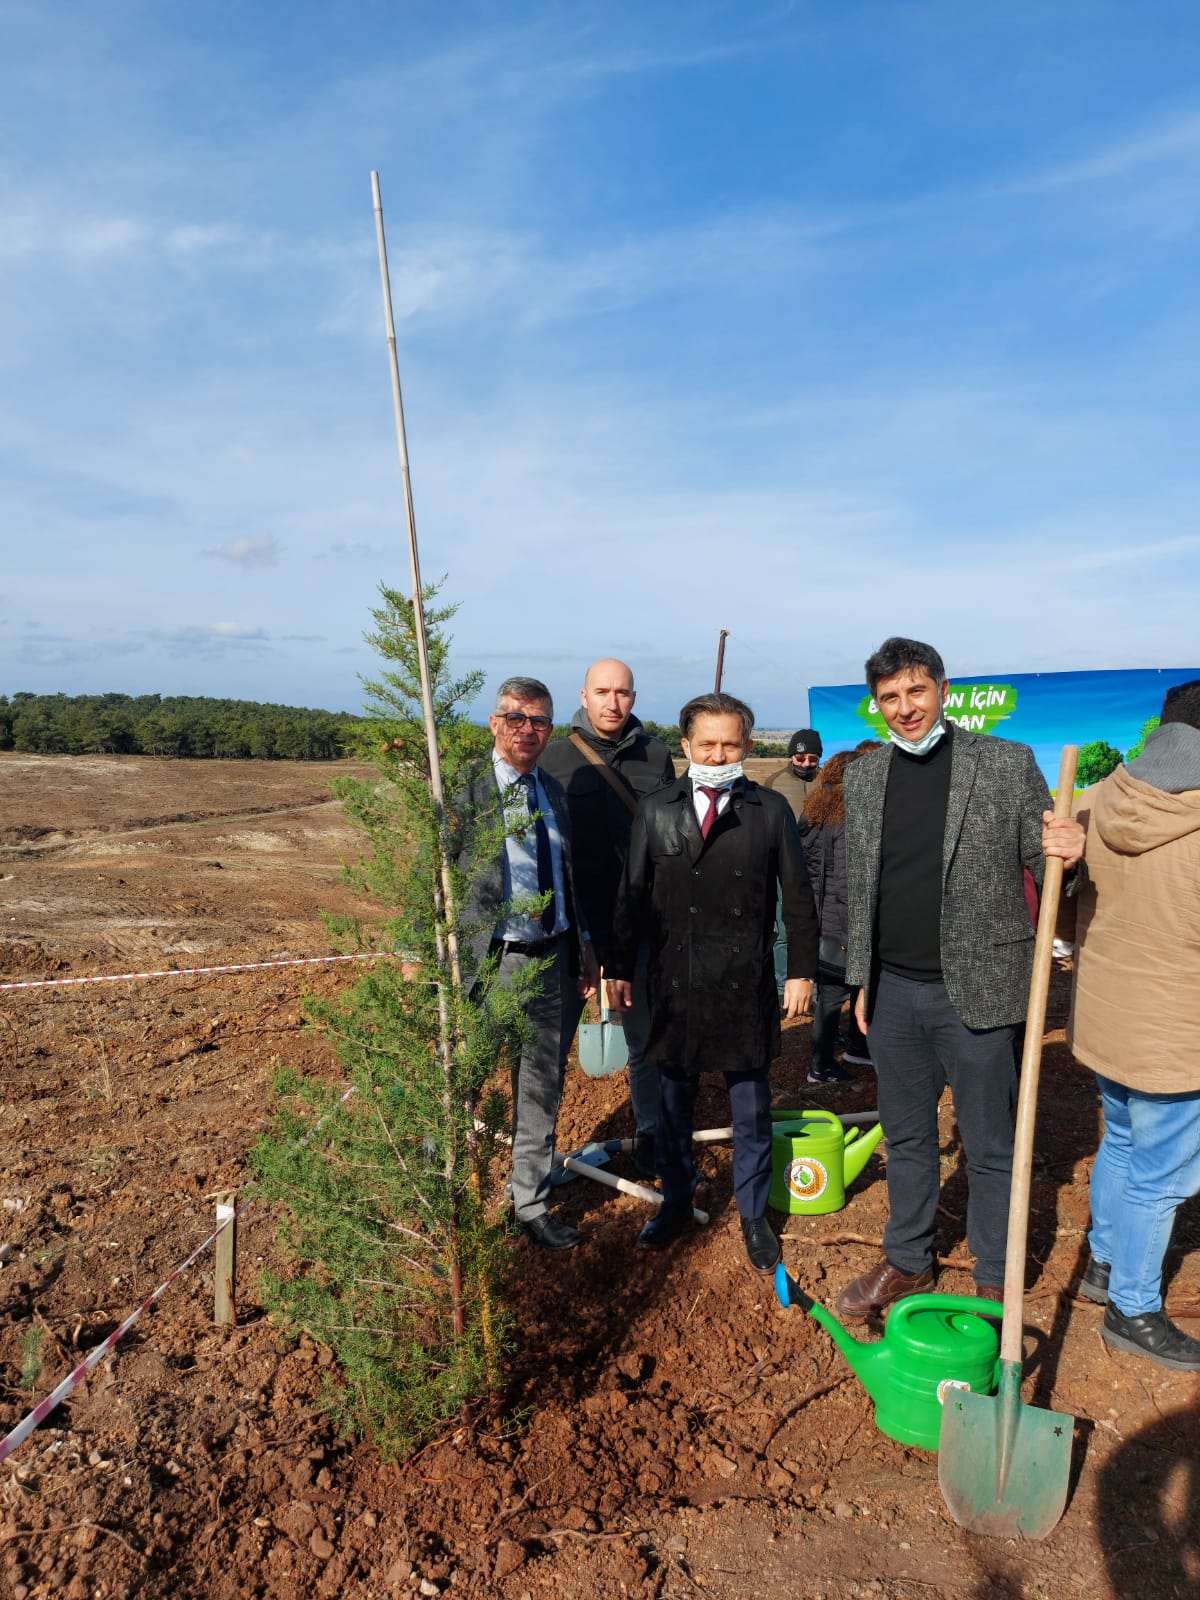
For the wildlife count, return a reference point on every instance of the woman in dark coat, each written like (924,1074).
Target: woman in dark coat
(823,834)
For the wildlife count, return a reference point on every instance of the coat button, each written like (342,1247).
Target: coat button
(695,909)
(737,949)
(737,872)
(674,983)
(679,947)
(736,911)
(733,986)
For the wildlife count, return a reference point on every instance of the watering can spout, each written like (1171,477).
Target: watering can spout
(858,1149)
(865,1359)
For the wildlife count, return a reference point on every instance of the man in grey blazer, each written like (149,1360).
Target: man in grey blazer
(940,824)
(530,867)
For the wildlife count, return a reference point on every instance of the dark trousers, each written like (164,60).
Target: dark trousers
(750,1103)
(919,1044)
(832,994)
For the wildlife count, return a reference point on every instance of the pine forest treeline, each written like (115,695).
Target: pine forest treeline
(171,725)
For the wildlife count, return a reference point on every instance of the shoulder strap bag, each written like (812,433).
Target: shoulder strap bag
(606,771)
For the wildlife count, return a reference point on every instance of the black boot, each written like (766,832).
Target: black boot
(1153,1335)
(1094,1283)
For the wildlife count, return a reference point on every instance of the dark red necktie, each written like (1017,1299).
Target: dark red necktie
(711,814)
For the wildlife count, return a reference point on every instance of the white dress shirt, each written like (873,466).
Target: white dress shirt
(520,857)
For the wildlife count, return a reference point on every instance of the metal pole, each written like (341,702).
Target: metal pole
(724,634)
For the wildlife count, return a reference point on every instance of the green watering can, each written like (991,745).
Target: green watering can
(932,1345)
(813,1158)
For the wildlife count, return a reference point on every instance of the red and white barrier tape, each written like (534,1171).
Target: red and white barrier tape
(42,1410)
(190,972)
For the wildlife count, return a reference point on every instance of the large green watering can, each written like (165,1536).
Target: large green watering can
(813,1158)
(932,1345)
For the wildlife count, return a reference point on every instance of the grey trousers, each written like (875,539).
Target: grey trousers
(919,1043)
(537,1077)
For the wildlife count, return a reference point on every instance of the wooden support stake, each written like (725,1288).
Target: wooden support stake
(224,1310)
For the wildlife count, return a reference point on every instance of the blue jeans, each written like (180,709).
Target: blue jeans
(918,1044)
(1147,1165)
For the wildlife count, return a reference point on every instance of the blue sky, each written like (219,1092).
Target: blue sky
(812,322)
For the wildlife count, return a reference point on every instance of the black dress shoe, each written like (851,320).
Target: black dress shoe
(665,1226)
(551,1234)
(1094,1283)
(761,1244)
(1152,1335)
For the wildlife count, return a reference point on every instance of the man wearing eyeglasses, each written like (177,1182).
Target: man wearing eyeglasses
(531,870)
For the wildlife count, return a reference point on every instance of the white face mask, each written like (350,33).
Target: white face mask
(715,777)
(919,746)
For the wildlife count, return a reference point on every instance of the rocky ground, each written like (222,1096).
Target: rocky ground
(671,1431)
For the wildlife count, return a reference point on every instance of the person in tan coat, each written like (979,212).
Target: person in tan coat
(1135,1021)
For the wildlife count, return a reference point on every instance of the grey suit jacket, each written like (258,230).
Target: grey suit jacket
(485,904)
(993,830)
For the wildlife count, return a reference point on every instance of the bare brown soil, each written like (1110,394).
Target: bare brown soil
(672,1432)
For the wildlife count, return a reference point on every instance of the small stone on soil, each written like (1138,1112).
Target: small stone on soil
(509,1556)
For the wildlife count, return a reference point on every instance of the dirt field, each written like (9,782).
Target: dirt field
(672,1431)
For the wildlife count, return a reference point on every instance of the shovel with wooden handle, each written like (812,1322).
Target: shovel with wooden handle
(602,1046)
(1004,1466)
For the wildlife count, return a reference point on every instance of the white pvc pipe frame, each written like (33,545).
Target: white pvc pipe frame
(641,1191)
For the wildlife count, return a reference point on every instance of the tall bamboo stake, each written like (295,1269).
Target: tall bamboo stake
(447,941)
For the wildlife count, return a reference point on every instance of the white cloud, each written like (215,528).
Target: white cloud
(244,552)
(31,233)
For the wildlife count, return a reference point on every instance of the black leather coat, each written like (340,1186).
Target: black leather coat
(707,908)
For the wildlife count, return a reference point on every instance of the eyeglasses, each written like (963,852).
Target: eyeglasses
(518,719)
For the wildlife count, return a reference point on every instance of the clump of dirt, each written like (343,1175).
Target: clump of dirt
(668,1429)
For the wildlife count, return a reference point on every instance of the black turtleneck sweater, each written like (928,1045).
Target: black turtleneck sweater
(908,927)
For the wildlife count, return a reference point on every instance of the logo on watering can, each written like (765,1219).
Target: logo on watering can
(950,1383)
(806,1179)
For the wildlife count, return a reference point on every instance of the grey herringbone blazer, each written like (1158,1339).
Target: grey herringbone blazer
(993,830)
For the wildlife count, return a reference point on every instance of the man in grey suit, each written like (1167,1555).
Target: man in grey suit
(939,825)
(531,867)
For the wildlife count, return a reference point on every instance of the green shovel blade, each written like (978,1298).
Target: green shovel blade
(602,1047)
(1004,1467)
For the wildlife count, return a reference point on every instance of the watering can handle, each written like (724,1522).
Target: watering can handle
(972,1304)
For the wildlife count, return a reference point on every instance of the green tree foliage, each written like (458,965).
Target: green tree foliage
(397,1267)
(1096,761)
(669,735)
(172,725)
(1147,729)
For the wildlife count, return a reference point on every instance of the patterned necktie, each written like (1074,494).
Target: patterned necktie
(545,863)
(711,814)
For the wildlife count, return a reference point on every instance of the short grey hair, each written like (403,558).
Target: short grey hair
(716,705)
(523,689)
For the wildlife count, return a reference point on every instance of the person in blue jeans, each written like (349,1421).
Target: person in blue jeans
(1135,1021)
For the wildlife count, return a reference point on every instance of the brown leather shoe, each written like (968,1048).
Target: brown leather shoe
(881,1287)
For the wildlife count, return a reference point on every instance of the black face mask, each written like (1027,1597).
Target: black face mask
(807,773)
